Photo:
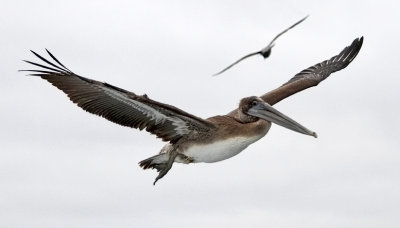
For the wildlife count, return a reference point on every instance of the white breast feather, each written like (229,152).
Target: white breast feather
(219,150)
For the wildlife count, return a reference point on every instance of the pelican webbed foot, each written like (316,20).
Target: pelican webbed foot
(161,162)
(165,167)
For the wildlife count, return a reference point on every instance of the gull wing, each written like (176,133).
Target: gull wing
(237,61)
(271,44)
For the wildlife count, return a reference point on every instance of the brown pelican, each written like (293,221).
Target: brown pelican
(191,139)
(265,52)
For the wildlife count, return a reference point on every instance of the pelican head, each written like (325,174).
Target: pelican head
(252,108)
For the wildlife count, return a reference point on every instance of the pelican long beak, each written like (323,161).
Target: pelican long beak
(267,112)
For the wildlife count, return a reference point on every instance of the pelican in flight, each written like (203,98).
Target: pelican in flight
(191,139)
(265,52)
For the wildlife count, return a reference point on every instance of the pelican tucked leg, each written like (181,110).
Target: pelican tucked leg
(161,162)
(166,166)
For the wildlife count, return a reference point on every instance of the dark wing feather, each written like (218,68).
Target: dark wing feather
(312,76)
(280,34)
(237,61)
(121,106)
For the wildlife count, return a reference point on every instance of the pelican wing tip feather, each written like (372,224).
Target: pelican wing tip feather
(313,75)
(118,105)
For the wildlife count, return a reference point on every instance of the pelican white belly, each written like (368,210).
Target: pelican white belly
(219,150)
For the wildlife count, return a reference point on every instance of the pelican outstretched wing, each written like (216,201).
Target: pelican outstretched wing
(313,75)
(118,105)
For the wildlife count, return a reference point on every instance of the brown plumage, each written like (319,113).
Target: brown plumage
(190,138)
(313,75)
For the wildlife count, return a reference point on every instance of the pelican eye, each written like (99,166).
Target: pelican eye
(254,103)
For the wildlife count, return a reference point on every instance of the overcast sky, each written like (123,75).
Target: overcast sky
(62,167)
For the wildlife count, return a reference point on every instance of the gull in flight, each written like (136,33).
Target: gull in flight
(265,52)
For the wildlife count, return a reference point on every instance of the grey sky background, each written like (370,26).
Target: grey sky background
(62,167)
